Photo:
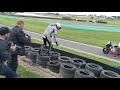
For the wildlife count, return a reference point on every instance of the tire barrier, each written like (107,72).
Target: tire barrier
(27,50)
(64,59)
(43,50)
(78,62)
(32,56)
(83,73)
(35,49)
(42,59)
(96,69)
(55,55)
(109,74)
(53,66)
(43,55)
(67,70)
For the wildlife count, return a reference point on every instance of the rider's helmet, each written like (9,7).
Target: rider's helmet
(58,25)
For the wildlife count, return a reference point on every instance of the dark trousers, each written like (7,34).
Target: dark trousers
(14,63)
(7,71)
(45,40)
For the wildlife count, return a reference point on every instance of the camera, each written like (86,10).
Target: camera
(12,44)
(27,36)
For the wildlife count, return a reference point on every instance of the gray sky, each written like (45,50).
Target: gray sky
(87,13)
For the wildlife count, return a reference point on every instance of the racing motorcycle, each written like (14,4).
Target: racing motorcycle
(112,49)
(107,48)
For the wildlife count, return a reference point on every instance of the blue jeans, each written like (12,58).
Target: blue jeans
(7,71)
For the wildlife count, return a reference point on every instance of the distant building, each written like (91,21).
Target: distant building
(116,17)
(66,18)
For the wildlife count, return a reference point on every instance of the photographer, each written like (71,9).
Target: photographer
(5,54)
(18,37)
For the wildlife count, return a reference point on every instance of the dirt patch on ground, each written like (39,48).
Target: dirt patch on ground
(46,73)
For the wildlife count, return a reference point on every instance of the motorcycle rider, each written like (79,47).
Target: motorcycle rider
(47,35)
(114,50)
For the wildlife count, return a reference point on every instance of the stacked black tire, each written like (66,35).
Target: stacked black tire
(64,59)
(54,55)
(78,62)
(83,73)
(96,69)
(32,54)
(43,50)
(53,66)
(27,50)
(67,67)
(67,70)
(42,59)
(109,74)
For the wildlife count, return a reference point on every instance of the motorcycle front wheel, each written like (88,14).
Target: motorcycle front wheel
(105,51)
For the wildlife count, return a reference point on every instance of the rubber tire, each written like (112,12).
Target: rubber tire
(54,66)
(67,70)
(41,63)
(42,60)
(78,62)
(44,54)
(27,48)
(64,59)
(104,74)
(83,73)
(43,50)
(95,68)
(35,49)
(39,56)
(55,55)
(32,57)
(82,62)
(26,52)
(105,51)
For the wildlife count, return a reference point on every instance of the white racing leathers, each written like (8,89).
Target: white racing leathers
(47,35)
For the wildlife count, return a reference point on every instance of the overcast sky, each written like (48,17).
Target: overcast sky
(87,13)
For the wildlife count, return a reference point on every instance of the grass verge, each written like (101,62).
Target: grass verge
(111,63)
(24,73)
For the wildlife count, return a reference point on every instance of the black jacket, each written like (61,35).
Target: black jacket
(17,36)
(5,53)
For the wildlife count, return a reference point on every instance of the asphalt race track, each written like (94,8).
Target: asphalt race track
(89,49)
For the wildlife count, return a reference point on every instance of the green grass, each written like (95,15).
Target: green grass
(26,73)
(111,63)
(88,37)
